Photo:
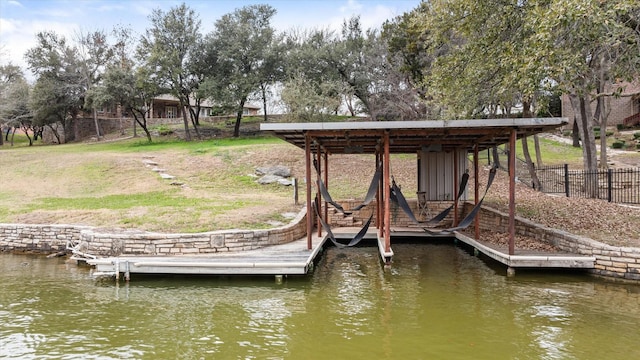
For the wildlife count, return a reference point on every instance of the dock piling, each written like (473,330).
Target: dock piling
(127,275)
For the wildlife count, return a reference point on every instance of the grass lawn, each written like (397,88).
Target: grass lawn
(108,184)
(552,153)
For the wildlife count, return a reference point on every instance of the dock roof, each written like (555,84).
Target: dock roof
(409,136)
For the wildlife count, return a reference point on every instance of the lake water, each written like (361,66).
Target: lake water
(435,302)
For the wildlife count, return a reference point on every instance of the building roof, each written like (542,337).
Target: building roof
(409,136)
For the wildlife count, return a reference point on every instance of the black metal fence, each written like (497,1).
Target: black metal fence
(613,185)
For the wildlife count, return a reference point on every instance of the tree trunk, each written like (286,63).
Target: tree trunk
(584,119)
(580,105)
(263,88)
(236,128)
(532,169)
(142,123)
(575,133)
(55,132)
(26,133)
(526,112)
(95,121)
(496,157)
(185,120)
(604,118)
(536,142)
(194,120)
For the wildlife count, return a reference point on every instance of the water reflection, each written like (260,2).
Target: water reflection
(436,301)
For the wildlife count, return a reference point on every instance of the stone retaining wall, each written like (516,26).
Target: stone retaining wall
(611,261)
(44,239)
(95,241)
(398,217)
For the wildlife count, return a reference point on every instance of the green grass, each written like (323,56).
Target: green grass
(552,152)
(114,202)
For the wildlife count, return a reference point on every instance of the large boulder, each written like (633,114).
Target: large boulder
(277,170)
(269,179)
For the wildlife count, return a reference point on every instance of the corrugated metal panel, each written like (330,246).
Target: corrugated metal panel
(436,174)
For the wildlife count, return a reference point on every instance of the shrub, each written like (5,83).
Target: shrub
(164,130)
(636,135)
(618,144)
(620,127)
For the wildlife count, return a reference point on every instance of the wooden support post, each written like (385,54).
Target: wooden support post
(320,203)
(476,190)
(326,183)
(378,200)
(307,158)
(387,194)
(512,191)
(455,186)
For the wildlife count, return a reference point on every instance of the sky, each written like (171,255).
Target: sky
(21,20)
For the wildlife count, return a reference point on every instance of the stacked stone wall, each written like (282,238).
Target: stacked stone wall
(43,239)
(398,217)
(611,261)
(54,238)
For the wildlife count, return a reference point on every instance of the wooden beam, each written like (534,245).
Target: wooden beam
(512,191)
(307,157)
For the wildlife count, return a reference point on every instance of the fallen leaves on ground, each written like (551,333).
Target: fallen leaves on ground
(609,223)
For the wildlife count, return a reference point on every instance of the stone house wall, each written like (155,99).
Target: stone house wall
(85,128)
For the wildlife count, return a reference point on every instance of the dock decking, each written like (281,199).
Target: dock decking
(295,259)
(529,259)
(287,259)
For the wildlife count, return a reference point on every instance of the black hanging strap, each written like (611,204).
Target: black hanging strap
(398,197)
(371,193)
(473,213)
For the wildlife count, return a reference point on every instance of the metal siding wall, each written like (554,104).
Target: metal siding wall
(436,174)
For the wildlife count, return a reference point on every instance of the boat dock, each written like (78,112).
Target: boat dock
(295,259)
(530,259)
(287,259)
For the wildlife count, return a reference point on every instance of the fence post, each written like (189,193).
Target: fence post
(566,179)
(609,185)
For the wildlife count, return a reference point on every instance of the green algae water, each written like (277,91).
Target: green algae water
(435,302)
